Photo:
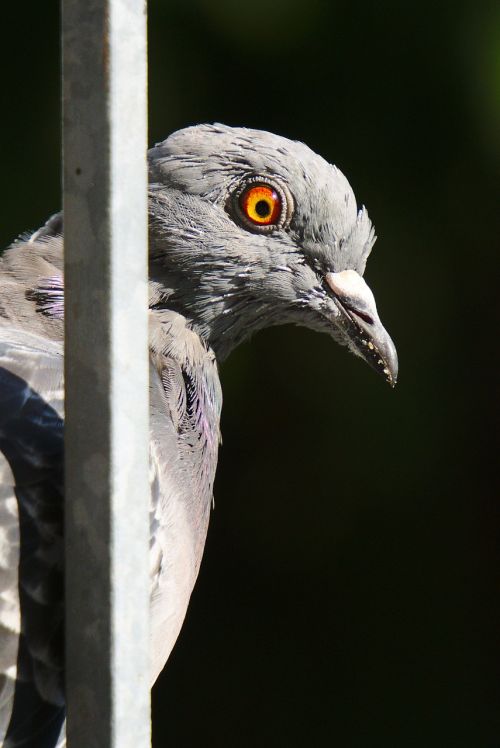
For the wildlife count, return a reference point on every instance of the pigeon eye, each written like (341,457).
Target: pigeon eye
(261,204)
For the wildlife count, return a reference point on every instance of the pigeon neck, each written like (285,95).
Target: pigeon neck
(222,319)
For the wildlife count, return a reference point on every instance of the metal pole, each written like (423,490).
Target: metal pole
(106,431)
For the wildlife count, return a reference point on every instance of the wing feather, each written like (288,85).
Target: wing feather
(31,519)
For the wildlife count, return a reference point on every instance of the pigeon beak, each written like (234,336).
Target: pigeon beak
(361,324)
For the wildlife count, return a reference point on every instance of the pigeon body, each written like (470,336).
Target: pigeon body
(247,230)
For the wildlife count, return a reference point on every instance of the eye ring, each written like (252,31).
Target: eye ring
(262,205)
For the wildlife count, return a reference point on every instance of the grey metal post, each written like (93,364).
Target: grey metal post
(107,530)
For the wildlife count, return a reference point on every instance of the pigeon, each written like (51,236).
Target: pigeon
(247,229)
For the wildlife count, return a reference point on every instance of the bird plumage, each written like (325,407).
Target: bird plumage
(215,278)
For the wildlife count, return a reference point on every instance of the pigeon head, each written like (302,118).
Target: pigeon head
(249,229)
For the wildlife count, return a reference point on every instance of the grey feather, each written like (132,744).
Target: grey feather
(214,280)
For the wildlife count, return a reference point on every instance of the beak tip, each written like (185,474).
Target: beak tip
(390,378)
(391,369)
(386,359)
(363,330)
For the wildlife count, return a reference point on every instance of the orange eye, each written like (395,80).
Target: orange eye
(261,205)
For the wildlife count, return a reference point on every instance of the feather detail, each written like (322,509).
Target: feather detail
(48,296)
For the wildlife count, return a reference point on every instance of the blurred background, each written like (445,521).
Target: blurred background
(349,593)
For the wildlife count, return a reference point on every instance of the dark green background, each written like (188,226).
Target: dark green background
(349,594)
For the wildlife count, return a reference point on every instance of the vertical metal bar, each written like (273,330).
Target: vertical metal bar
(107,491)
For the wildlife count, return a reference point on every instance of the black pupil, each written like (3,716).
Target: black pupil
(262,209)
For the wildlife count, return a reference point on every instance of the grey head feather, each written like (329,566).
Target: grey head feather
(210,160)
(230,278)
